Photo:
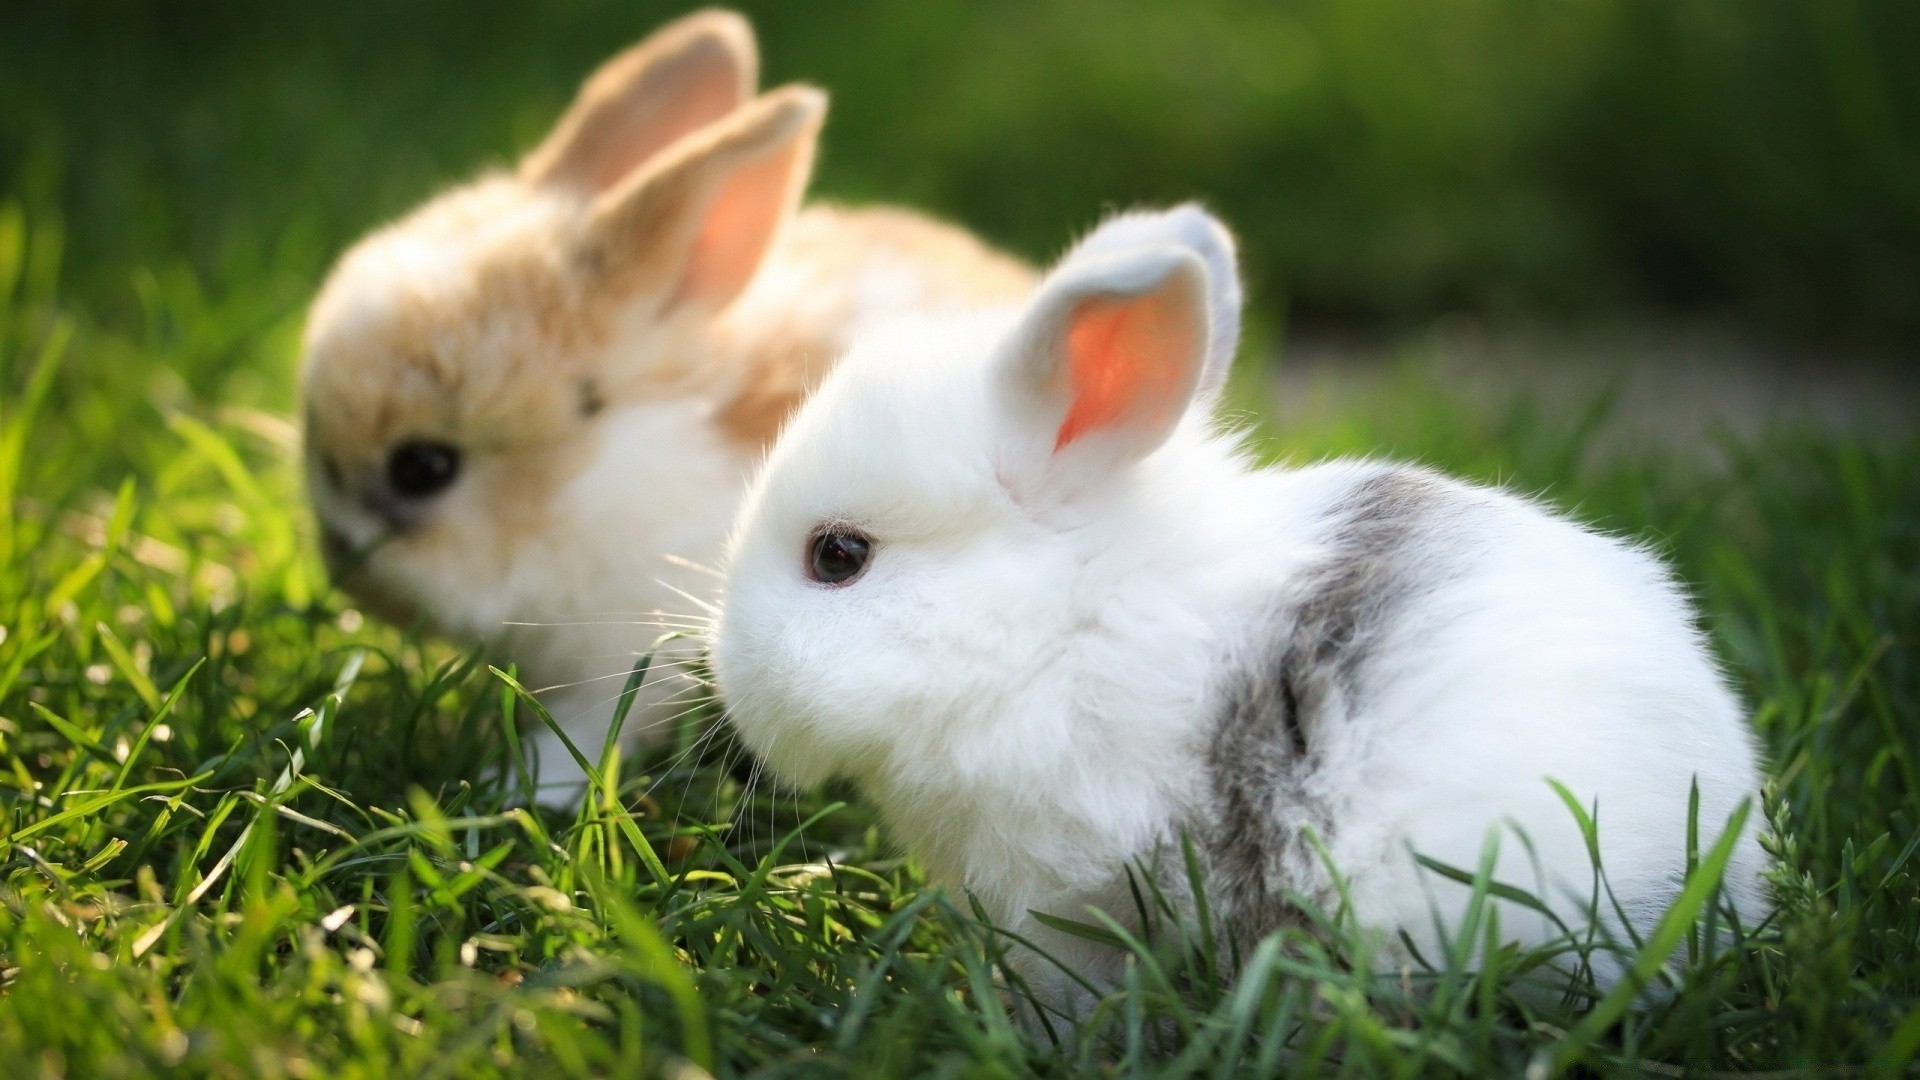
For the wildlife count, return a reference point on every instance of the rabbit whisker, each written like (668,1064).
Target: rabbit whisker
(585,613)
(685,595)
(606,622)
(665,666)
(677,759)
(698,567)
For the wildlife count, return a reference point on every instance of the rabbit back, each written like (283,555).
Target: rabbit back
(1446,653)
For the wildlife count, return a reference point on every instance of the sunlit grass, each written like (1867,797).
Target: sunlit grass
(246,832)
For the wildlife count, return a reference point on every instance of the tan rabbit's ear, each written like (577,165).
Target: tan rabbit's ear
(694,224)
(687,74)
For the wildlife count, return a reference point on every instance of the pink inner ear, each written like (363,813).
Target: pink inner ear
(739,226)
(1126,361)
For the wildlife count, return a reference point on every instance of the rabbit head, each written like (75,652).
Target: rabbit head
(464,367)
(908,582)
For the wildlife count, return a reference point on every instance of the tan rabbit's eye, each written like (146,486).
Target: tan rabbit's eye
(837,556)
(419,468)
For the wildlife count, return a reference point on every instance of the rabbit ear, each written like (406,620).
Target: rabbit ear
(1124,335)
(687,74)
(694,224)
(1191,227)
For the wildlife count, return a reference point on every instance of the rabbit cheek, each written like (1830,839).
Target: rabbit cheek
(778,694)
(794,661)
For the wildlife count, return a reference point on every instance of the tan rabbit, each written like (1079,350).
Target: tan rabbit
(532,404)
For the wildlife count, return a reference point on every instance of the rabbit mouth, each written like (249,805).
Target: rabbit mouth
(345,560)
(337,552)
(346,564)
(346,567)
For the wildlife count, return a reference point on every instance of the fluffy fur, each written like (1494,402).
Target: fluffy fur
(1087,626)
(609,336)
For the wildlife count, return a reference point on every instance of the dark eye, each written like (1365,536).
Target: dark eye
(420,468)
(837,557)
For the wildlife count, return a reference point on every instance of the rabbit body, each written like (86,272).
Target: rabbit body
(585,358)
(1087,626)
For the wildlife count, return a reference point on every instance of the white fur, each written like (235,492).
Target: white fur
(634,535)
(1023,679)
(642,532)
(606,571)
(599,342)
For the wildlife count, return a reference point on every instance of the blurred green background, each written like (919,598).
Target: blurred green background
(1755,163)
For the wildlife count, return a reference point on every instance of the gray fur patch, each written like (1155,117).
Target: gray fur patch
(1307,668)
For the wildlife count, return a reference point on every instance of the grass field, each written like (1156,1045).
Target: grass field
(243,831)
(246,832)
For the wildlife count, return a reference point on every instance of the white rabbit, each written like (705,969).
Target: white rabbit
(1002,573)
(527,397)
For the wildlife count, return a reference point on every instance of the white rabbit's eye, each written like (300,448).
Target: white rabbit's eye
(837,556)
(419,468)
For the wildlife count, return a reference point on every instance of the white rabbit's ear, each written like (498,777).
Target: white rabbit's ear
(694,224)
(684,76)
(1189,226)
(1133,326)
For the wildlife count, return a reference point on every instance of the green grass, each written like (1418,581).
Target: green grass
(245,833)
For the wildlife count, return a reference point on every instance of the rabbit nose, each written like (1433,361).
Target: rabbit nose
(394,512)
(368,495)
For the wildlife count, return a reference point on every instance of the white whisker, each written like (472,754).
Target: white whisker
(665,667)
(702,568)
(596,622)
(584,613)
(685,595)
(673,764)
(688,625)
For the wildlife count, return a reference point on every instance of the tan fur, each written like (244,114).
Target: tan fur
(685,75)
(609,355)
(786,348)
(695,223)
(487,340)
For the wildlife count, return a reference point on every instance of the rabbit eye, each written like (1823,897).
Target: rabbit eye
(420,468)
(837,557)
